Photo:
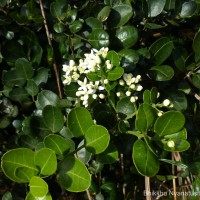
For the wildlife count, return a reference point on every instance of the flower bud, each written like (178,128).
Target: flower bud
(171,144)
(166,102)
(105,81)
(101,96)
(118,94)
(128,93)
(133,99)
(121,82)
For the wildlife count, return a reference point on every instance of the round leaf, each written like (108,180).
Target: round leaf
(127,35)
(119,15)
(38,187)
(53,118)
(46,97)
(145,161)
(188,9)
(83,154)
(196,80)
(103,14)
(97,139)
(32,87)
(162,73)
(170,122)
(29,196)
(46,160)
(58,144)
(79,120)
(99,39)
(161,49)
(75,26)
(16,162)
(93,23)
(126,107)
(59,27)
(113,57)
(115,73)
(155,7)
(73,175)
(145,117)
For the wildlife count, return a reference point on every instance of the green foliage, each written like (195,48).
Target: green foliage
(97,94)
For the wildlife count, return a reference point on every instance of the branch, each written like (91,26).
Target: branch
(50,44)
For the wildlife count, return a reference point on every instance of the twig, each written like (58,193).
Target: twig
(174,180)
(50,44)
(147,188)
(88,194)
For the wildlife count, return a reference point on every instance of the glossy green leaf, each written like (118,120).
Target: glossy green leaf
(176,163)
(180,135)
(57,143)
(113,57)
(79,120)
(12,78)
(196,80)
(38,187)
(155,7)
(46,97)
(127,35)
(161,49)
(150,96)
(75,26)
(41,75)
(24,68)
(162,72)
(104,13)
(18,165)
(70,90)
(73,175)
(196,44)
(96,139)
(153,26)
(53,118)
(145,161)
(59,27)
(119,15)
(126,107)
(170,122)
(46,160)
(18,94)
(115,73)
(179,145)
(58,9)
(170,4)
(94,23)
(178,100)
(29,196)
(83,155)
(31,87)
(7,196)
(109,156)
(99,39)
(188,9)
(129,58)
(145,117)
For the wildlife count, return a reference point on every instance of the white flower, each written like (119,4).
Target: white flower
(121,82)
(118,94)
(166,102)
(139,88)
(70,67)
(103,52)
(128,78)
(105,81)
(128,93)
(101,96)
(138,77)
(108,64)
(133,99)
(132,86)
(75,76)
(67,80)
(171,144)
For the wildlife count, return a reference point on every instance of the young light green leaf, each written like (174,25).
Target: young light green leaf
(145,161)
(96,139)
(57,143)
(170,122)
(18,165)
(29,196)
(38,187)
(79,120)
(162,72)
(73,175)
(53,118)
(115,73)
(161,49)
(46,160)
(145,117)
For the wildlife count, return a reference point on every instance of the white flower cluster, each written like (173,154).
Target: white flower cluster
(93,62)
(133,85)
